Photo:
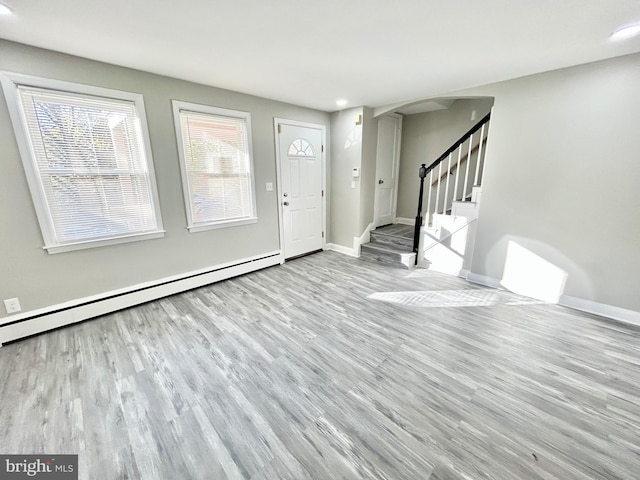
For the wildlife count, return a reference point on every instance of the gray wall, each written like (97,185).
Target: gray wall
(368,177)
(346,153)
(40,279)
(562,177)
(352,146)
(425,136)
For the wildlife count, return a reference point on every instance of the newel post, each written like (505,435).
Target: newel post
(416,232)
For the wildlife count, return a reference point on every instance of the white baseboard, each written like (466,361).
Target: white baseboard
(602,309)
(41,320)
(362,239)
(405,221)
(588,306)
(334,247)
(484,280)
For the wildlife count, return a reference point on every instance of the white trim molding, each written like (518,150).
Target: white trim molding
(464,273)
(602,309)
(405,221)
(588,306)
(357,243)
(214,116)
(29,323)
(484,280)
(362,239)
(324,165)
(334,247)
(61,234)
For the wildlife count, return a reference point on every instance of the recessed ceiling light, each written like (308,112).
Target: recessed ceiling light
(341,102)
(626,32)
(4,10)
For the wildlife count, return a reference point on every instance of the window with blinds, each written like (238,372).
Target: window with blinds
(216,162)
(87,161)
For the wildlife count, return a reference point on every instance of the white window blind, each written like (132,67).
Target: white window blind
(216,165)
(90,167)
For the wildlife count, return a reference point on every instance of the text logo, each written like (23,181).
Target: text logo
(45,467)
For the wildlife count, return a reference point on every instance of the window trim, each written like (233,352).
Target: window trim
(10,82)
(192,227)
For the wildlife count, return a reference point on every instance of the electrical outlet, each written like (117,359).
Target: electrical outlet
(269,186)
(12,305)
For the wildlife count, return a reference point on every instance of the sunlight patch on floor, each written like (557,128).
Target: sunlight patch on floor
(421,273)
(452,298)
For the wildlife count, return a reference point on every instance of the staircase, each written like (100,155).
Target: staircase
(446,245)
(444,240)
(391,245)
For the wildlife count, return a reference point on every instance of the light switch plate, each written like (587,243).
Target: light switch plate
(269,186)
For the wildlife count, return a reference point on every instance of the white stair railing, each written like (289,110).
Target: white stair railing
(449,185)
(473,144)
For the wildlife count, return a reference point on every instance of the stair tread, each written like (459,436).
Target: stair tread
(391,236)
(384,234)
(387,255)
(394,231)
(394,243)
(399,237)
(385,248)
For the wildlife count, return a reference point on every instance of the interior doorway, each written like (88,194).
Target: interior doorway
(387,169)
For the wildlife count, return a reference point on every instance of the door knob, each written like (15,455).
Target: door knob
(285,194)
(286,204)
(380,182)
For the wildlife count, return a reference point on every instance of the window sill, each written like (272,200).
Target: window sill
(69,247)
(226,224)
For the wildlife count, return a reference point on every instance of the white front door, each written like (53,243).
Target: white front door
(301,188)
(387,163)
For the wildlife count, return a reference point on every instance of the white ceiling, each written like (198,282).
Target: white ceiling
(312,52)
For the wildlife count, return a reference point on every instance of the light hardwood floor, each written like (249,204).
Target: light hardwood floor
(331,368)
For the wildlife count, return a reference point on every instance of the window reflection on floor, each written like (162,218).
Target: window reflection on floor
(452,298)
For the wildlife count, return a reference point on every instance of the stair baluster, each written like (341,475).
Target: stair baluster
(455,187)
(466,174)
(438,189)
(446,189)
(476,180)
(427,215)
(424,171)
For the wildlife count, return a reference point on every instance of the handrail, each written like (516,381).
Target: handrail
(462,160)
(459,142)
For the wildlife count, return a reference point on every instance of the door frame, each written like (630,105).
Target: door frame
(323,166)
(394,207)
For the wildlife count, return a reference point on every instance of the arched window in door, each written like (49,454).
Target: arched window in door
(301,148)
